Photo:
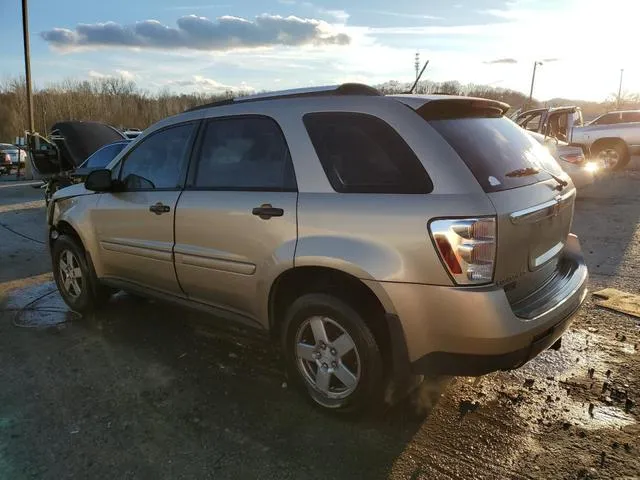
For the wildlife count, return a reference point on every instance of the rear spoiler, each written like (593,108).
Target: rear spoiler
(448,108)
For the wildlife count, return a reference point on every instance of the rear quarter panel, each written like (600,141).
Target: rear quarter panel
(380,237)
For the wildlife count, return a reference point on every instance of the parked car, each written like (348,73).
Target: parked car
(377,238)
(68,146)
(98,159)
(11,157)
(613,118)
(570,158)
(611,144)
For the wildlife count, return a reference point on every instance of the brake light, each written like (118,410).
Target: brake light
(467,247)
(575,158)
(446,252)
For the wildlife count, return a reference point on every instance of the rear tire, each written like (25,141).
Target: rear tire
(76,280)
(612,155)
(331,352)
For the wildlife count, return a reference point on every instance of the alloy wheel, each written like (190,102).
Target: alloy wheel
(609,158)
(70,273)
(327,357)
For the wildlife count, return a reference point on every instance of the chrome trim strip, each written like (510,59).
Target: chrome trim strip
(548,255)
(542,210)
(526,215)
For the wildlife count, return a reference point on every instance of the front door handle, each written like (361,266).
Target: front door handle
(266,211)
(159,208)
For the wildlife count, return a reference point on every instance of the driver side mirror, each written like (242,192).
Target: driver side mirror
(99,181)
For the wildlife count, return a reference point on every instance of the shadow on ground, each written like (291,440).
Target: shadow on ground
(145,390)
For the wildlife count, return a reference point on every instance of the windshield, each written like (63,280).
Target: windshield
(495,147)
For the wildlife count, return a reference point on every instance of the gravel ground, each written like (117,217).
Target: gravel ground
(143,390)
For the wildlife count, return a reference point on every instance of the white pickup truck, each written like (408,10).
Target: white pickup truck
(611,138)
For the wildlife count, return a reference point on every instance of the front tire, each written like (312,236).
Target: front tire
(331,352)
(76,281)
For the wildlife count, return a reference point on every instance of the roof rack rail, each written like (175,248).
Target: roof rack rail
(330,90)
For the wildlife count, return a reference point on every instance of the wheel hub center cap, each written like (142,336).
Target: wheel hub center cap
(326,358)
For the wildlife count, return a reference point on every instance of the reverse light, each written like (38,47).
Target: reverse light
(467,248)
(591,167)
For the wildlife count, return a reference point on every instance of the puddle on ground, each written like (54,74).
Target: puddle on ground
(37,306)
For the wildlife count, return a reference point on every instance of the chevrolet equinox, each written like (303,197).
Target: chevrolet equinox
(376,238)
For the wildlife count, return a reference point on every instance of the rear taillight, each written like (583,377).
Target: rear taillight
(467,247)
(575,158)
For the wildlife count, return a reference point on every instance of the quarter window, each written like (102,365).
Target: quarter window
(363,154)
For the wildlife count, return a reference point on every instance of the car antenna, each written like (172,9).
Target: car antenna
(413,87)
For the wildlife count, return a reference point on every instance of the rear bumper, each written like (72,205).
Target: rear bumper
(445,363)
(580,176)
(473,331)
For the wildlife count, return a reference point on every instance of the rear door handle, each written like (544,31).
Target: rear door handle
(266,211)
(159,208)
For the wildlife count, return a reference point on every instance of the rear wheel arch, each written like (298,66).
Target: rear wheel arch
(298,281)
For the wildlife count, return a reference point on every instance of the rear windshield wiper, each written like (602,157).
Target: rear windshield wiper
(525,172)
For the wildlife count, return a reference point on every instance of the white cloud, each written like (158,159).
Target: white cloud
(199,33)
(124,74)
(201,83)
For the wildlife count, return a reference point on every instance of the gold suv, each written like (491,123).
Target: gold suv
(377,238)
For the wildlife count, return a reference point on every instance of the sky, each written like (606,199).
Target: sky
(254,45)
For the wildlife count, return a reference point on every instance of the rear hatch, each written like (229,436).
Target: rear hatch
(533,201)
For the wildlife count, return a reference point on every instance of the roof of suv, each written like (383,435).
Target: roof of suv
(354,89)
(621,111)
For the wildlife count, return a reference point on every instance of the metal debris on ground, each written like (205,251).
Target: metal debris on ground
(619,301)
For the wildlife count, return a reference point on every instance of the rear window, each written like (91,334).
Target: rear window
(494,147)
(363,154)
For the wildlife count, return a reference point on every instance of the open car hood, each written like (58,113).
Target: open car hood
(78,140)
(75,141)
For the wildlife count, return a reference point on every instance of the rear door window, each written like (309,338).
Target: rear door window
(496,150)
(244,154)
(363,154)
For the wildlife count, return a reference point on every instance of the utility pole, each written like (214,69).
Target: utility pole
(533,79)
(620,87)
(27,69)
